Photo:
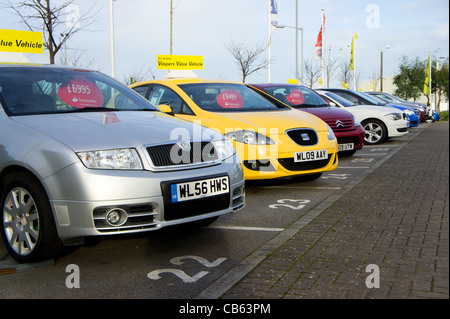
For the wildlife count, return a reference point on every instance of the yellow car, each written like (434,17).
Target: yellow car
(271,139)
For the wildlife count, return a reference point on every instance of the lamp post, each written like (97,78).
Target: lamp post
(296,50)
(111,25)
(381,69)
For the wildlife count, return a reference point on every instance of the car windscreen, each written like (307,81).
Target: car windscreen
(339,99)
(46,90)
(228,97)
(296,96)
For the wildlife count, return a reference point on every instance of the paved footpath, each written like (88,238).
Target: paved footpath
(387,238)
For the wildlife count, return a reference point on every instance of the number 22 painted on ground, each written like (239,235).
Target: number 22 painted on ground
(300,203)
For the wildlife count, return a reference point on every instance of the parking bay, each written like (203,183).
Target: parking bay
(185,262)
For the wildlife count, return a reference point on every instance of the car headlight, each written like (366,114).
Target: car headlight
(111,159)
(394,116)
(330,133)
(355,121)
(224,148)
(409,112)
(249,137)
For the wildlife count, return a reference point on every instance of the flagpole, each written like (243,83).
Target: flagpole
(270,37)
(323,48)
(354,67)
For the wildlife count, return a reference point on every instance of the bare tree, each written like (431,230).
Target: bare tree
(330,65)
(74,58)
(247,58)
(142,74)
(312,73)
(57,23)
(345,74)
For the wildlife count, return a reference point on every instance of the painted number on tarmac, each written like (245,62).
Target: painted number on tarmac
(336,176)
(155,274)
(296,203)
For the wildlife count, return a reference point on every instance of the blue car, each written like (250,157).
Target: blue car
(360,98)
(413,115)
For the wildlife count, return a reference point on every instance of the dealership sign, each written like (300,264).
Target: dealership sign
(21,41)
(180,62)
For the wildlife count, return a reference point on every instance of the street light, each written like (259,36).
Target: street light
(111,26)
(296,50)
(381,69)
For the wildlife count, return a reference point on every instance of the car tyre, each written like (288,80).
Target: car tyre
(27,225)
(375,132)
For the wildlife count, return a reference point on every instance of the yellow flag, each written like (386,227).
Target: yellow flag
(345,85)
(352,56)
(427,84)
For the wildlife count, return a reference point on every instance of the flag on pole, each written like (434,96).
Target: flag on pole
(427,84)
(352,55)
(318,47)
(273,15)
(345,85)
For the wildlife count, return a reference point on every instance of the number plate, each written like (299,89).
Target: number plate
(346,147)
(199,189)
(310,155)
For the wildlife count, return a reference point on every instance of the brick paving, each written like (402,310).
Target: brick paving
(397,218)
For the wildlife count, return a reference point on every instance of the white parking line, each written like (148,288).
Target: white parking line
(302,187)
(247,228)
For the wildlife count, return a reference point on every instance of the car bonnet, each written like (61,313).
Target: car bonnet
(112,130)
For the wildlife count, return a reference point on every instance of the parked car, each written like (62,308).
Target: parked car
(379,122)
(413,114)
(82,155)
(359,98)
(389,98)
(272,140)
(347,129)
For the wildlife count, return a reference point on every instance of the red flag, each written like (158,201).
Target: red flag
(318,48)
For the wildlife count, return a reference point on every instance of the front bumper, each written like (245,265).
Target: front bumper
(81,198)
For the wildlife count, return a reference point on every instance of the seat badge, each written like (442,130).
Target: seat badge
(184,145)
(305,137)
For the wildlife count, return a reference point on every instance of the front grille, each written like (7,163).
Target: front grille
(291,165)
(304,137)
(340,124)
(173,154)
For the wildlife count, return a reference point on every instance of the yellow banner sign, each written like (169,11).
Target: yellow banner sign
(180,62)
(21,41)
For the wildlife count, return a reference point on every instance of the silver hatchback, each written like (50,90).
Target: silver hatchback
(82,155)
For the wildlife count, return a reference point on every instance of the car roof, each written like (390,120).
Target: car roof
(177,81)
(41,66)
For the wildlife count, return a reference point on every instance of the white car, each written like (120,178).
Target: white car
(379,122)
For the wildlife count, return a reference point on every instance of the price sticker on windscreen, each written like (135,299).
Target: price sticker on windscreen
(81,93)
(230,99)
(296,97)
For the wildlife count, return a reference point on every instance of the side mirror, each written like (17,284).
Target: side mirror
(166,109)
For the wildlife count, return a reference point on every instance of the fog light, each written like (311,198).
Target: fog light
(116,217)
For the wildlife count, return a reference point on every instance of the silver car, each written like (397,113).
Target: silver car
(82,155)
